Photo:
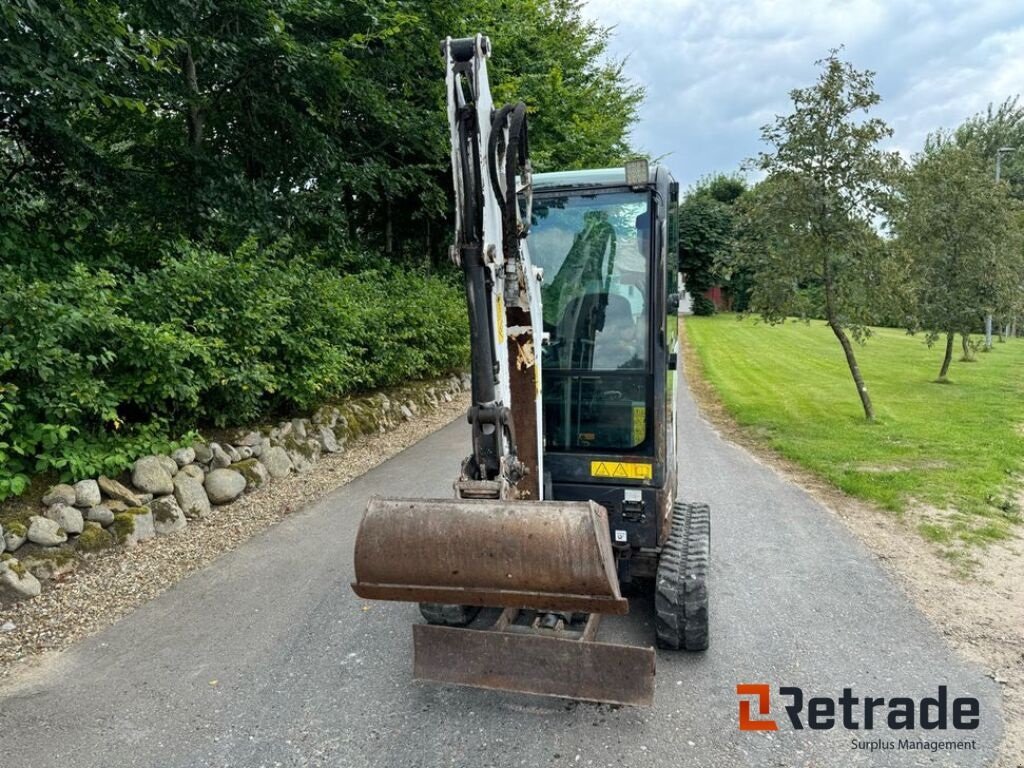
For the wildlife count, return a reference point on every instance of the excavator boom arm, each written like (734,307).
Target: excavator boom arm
(490,174)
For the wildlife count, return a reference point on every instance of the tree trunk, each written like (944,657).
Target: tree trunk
(844,341)
(965,344)
(195,121)
(851,361)
(196,116)
(949,356)
(389,233)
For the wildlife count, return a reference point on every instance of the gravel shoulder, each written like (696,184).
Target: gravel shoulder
(112,584)
(979,610)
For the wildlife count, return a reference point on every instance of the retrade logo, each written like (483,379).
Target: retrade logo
(853,713)
(761,693)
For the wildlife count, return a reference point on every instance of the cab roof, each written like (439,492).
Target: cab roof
(593,177)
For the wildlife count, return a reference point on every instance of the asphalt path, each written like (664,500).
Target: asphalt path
(267,658)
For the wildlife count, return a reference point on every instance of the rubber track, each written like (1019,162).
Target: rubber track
(681,591)
(448,615)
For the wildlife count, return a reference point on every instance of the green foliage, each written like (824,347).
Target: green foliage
(706,233)
(546,54)
(224,119)
(987,132)
(963,236)
(97,371)
(810,222)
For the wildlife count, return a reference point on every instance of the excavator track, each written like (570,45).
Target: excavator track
(448,615)
(681,592)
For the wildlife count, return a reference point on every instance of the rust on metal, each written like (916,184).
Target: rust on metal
(552,556)
(522,375)
(535,664)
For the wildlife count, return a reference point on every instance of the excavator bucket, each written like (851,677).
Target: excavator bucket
(542,555)
(527,557)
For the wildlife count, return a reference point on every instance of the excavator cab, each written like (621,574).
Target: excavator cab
(607,242)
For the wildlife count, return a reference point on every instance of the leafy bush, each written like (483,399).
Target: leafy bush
(97,369)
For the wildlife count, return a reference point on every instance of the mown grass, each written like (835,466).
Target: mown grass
(953,453)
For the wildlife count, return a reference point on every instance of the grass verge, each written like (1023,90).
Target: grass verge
(951,453)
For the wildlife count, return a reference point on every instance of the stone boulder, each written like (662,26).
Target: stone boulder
(303,453)
(68,518)
(51,565)
(184,456)
(16,582)
(276,461)
(87,494)
(168,517)
(192,470)
(249,439)
(220,458)
(133,525)
(94,538)
(169,464)
(45,532)
(15,534)
(325,436)
(255,474)
(101,514)
(191,496)
(116,491)
(60,494)
(204,454)
(224,485)
(150,475)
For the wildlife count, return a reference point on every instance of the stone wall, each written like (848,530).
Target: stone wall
(161,494)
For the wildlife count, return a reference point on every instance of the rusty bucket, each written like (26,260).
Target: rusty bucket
(544,555)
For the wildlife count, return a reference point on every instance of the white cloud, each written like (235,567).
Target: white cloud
(717,71)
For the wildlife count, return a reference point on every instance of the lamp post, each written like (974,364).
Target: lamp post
(999,172)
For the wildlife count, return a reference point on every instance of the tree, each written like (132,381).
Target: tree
(811,222)
(316,120)
(985,134)
(963,235)
(988,131)
(706,232)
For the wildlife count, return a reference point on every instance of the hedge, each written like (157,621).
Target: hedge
(97,368)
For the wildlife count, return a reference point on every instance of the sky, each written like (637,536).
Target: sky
(718,70)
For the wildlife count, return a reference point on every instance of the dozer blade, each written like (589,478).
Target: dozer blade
(549,556)
(546,666)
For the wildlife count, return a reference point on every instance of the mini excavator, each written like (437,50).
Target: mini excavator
(569,491)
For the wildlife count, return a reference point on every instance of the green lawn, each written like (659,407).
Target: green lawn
(956,447)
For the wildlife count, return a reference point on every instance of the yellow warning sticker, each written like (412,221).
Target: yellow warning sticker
(639,423)
(628,470)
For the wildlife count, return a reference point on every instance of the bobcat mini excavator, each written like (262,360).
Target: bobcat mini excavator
(569,490)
